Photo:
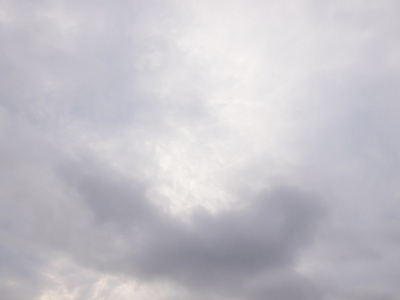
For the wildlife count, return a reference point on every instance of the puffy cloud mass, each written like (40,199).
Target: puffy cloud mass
(199,150)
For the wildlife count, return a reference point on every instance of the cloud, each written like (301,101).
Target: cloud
(105,222)
(208,251)
(185,150)
(18,274)
(56,204)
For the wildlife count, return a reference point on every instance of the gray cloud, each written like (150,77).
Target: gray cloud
(171,144)
(18,273)
(210,251)
(55,204)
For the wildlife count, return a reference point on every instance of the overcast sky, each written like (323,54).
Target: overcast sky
(199,150)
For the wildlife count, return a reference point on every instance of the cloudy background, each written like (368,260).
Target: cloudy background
(173,149)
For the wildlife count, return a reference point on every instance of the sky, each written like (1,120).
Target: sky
(202,150)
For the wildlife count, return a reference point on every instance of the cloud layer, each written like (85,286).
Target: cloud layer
(199,150)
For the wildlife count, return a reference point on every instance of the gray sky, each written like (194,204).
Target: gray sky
(199,150)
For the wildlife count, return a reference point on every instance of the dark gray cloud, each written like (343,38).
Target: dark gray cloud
(208,252)
(232,244)
(105,221)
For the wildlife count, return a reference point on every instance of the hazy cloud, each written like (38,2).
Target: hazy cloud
(199,150)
